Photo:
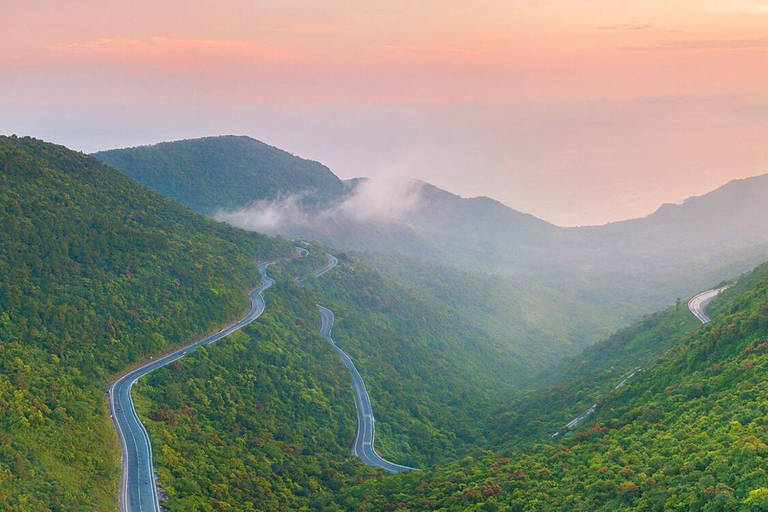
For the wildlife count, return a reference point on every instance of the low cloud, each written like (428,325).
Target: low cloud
(377,200)
(270,217)
(164,54)
(717,44)
(382,199)
(626,26)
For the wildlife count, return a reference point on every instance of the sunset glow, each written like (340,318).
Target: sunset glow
(578,112)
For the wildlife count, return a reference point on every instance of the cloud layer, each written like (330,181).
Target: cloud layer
(378,200)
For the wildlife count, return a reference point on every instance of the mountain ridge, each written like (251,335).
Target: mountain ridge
(627,268)
(109,154)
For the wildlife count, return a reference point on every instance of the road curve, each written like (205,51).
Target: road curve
(698,304)
(138,490)
(362,447)
(332,261)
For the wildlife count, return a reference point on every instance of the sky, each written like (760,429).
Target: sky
(578,111)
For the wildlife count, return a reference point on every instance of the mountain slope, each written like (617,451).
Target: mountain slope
(100,272)
(266,420)
(623,269)
(96,272)
(260,421)
(222,172)
(688,432)
(533,322)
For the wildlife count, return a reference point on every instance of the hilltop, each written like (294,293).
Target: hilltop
(99,272)
(223,172)
(623,269)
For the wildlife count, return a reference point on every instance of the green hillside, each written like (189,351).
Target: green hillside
(534,323)
(259,421)
(621,270)
(96,272)
(431,379)
(223,172)
(428,373)
(687,433)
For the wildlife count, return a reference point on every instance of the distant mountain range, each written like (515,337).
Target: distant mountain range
(628,267)
(99,272)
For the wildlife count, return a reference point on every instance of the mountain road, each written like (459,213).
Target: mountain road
(698,304)
(138,489)
(362,447)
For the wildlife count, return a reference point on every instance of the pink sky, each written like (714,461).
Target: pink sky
(580,112)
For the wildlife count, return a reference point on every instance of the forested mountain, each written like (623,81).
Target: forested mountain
(223,172)
(687,432)
(623,269)
(96,272)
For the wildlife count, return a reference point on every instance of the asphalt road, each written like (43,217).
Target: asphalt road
(332,261)
(362,447)
(698,304)
(137,480)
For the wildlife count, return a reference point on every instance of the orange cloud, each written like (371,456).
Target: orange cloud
(714,44)
(172,52)
(449,50)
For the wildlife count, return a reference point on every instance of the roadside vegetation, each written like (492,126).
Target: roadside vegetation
(96,272)
(689,433)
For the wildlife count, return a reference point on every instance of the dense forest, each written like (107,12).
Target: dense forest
(96,272)
(277,395)
(687,433)
(260,421)
(223,172)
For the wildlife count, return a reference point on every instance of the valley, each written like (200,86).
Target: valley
(434,256)
(469,373)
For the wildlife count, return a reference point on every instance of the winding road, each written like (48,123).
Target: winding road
(138,490)
(362,447)
(698,304)
(332,261)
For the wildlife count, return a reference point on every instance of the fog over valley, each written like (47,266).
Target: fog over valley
(373,256)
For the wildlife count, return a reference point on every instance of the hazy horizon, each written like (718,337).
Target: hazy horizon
(579,113)
(653,209)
